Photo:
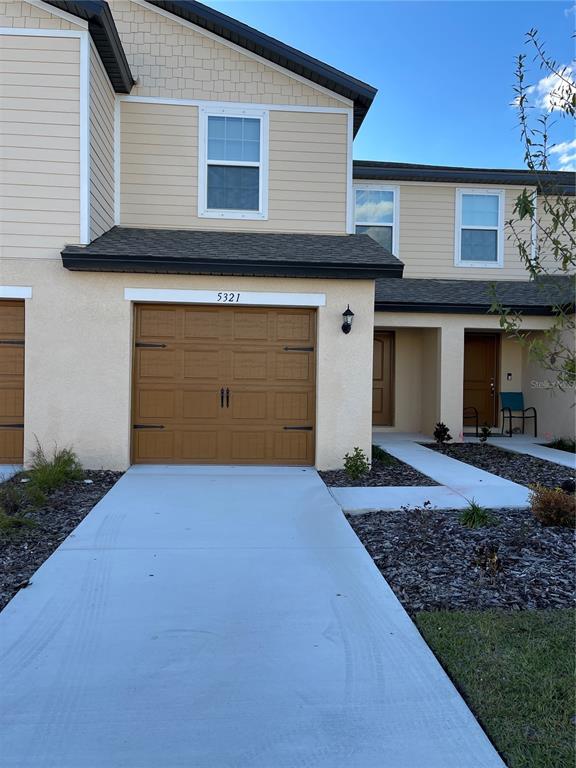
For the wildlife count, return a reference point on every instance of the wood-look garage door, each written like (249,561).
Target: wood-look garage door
(224,385)
(11,382)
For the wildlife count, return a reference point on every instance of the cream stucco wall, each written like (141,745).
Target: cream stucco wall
(78,365)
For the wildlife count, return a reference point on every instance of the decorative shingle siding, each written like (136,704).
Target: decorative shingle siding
(40,144)
(175,61)
(101,148)
(24,15)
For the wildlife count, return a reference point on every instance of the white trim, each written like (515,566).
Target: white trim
(243,51)
(15,292)
(232,104)
(350,227)
(499,263)
(246,111)
(84,139)
(84,110)
(57,12)
(117,176)
(395,189)
(252,298)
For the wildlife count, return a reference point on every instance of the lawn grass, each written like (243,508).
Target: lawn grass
(516,671)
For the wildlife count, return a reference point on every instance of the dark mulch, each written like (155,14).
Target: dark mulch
(518,467)
(23,550)
(432,562)
(392,472)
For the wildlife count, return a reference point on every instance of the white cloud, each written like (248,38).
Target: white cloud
(552,89)
(567,155)
(570,11)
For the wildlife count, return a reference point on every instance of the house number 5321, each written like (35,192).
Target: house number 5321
(226,297)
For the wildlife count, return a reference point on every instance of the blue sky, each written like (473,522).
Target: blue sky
(444,70)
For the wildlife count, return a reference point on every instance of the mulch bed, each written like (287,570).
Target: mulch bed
(518,467)
(22,551)
(432,562)
(381,474)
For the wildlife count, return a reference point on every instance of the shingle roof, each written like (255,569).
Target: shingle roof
(127,249)
(561,182)
(105,36)
(275,51)
(474,296)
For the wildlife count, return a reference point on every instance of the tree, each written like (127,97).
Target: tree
(544,225)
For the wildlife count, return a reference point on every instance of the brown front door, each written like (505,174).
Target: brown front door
(11,382)
(481,351)
(383,379)
(224,385)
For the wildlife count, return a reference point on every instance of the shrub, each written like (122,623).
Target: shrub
(553,506)
(379,454)
(11,499)
(356,464)
(475,516)
(441,433)
(13,523)
(485,433)
(46,474)
(567,444)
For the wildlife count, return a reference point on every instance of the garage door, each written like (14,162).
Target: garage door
(11,382)
(223,385)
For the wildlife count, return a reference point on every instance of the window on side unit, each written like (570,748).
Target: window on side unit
(233,164)
(479,228)
(376,214)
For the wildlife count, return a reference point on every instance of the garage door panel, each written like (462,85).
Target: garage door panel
(182,387)
(202,364)
(158,323)
(157,363)
(11,382)
(197,404)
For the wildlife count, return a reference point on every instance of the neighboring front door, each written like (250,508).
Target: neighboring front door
(383,379)
(481,377)
(11,382)
(224,385)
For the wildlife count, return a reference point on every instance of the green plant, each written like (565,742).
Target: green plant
(485,433)
(567,444)
(46,474)
(356,464)
(380,455)
(442,433)
(553,506)
(475,516)
(13,523)
(12,499)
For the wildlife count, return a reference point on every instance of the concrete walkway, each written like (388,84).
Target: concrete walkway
(222,618)
(459,482)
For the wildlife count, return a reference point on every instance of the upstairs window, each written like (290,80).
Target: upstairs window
(232,178)
(377,215)
(479,228)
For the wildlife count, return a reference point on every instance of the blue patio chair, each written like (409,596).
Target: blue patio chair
(513,408)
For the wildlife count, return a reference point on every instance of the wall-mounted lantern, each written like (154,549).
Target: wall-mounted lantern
(347,317)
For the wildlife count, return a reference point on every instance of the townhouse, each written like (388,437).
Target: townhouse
(193,269)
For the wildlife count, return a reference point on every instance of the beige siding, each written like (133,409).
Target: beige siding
(24,15)
(39,144)
(427,233)
(101,148)
(175,61)
(159,167)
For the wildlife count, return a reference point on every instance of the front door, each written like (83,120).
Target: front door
(383,379)
(481,352)
(224,385)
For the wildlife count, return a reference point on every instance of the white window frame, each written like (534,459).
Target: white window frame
(396,212)
(499,263)
(203,162)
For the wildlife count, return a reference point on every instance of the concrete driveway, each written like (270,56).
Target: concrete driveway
(222,618)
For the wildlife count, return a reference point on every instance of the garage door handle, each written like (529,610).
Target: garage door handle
(150,345)
(148,426)
(227,398)
(222,397)
(302,429)
(13,342)
(298,349)
(11,426)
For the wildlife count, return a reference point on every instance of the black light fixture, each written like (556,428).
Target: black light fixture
(348,317)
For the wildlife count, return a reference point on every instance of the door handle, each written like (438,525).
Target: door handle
(227,398)
(222,397)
